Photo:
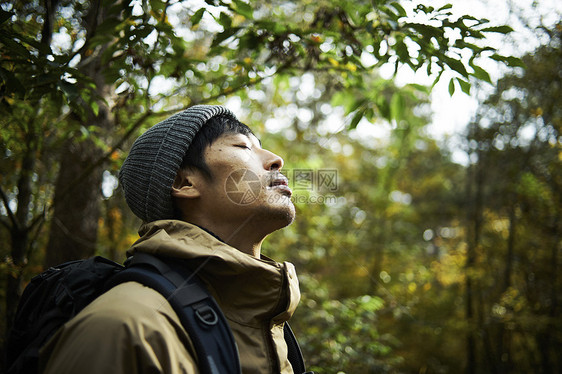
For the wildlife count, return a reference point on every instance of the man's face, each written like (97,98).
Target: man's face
(246,185)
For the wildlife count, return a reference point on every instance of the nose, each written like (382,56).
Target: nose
(272,161)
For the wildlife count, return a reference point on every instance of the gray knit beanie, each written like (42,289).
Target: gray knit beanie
(150,168)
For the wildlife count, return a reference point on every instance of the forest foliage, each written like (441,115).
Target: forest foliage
(408,261)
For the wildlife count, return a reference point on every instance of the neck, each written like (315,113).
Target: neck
(251,248)
(244,236)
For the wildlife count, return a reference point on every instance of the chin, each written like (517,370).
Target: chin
(288,218)
(276,217)
(287,211)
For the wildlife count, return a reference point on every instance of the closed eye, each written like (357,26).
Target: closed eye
(243,146)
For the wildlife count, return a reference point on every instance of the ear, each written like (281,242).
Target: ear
(186,184)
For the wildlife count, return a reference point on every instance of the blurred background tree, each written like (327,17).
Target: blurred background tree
(408,261)
(514,206)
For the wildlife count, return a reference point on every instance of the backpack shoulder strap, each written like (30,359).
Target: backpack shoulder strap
(197,310)
(294,353)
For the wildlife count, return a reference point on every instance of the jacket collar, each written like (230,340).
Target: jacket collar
(249,290)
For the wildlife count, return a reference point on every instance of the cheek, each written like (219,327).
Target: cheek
(243,187)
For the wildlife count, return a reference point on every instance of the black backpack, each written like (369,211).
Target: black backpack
(58,294)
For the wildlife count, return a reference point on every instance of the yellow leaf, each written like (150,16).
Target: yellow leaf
(412,287)
(351,67)
(333,61)
(316,38)
(537,112)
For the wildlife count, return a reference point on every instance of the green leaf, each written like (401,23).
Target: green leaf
(196,17)
(42,48)
(100,39)
(425,9)
(143,31)
(221,37)
(465,86)
(515,62)
(108,26)
(356,118)
(244,9)
(396,106)
(457,66)
(4,16)
(357,104)
(95,108)
(14,48)
(383,107)
(391,15)
(505,29)
(225,21)
(481,74)
(446,6)
(341,98)
(69,90)
(402,51)
(12,83)
(509,60)
(498,57)
(420,87)
(452,86)
(400,9)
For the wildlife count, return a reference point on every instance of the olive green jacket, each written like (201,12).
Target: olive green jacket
(133,329)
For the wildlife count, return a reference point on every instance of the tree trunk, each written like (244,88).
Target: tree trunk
(546,338)
(19,231)
(20,240)
(73,231)
(503,337)
(474,199)
(510,248)
(74,225)
(378,257)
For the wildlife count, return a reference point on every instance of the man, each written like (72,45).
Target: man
(208,193)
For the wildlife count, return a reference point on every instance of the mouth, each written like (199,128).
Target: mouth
(281,183)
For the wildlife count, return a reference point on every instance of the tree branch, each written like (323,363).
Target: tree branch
(47,32)
(11,214)
(106,156)
(39,221)
(5,224)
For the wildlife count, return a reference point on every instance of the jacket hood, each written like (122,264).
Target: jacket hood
(249,290)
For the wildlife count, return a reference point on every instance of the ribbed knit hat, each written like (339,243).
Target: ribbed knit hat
(150,168)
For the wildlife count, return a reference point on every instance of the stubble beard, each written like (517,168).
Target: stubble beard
(277,217)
